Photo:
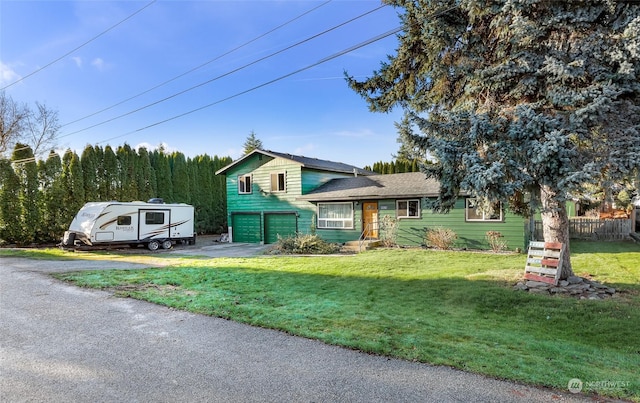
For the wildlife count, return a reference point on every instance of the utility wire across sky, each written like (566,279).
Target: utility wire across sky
(264,84)
(79,47)
(201,65)
(323,60)
(169,80)
(227,73)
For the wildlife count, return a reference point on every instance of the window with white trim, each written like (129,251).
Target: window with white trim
(278,182)
(408,208)
(244,184)
(473,212)
(335,215)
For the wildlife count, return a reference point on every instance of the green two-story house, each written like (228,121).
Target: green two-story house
(264,190)
(271,194)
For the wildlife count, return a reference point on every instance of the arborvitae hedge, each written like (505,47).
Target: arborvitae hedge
(395,167)
(38,199)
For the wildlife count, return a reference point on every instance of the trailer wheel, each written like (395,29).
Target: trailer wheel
(166,244)
(153,245)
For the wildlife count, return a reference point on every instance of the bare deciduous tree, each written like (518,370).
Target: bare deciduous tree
(42,129)
(18,123)
(12,122)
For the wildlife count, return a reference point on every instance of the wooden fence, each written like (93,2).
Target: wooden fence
(594,229)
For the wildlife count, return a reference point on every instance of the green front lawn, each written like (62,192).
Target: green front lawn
(443,308)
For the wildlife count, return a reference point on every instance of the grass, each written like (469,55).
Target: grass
(122,255)
(444,308)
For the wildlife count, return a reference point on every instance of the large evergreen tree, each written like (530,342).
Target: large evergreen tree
(10,208)
(128,184)
(515,97)
(146,177)
(180,178)
(99,158)
(54,222)
(252,143)
(162,168)
(109,182)
(90,173)
(73,186)
(26,168)
(203,193)
(219,199)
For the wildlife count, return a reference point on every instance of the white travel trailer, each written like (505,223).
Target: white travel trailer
(152,224)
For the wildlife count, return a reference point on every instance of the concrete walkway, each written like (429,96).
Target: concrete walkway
(59,343)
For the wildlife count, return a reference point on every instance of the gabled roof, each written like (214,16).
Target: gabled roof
(305,162)
(404,185)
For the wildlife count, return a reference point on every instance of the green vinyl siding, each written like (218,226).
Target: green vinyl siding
(311,179)
(263,202)
(471,235)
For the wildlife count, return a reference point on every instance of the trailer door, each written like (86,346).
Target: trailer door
(154,224)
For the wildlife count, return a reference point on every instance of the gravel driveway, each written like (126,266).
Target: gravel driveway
(59,343)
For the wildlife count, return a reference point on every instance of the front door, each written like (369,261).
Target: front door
(370,220)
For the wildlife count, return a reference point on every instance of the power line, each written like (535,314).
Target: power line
(179,76)
(75,49)
(201,65)
(321,61)
(324,60)
(227,73)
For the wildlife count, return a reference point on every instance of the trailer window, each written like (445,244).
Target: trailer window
(154,218)
(124,220)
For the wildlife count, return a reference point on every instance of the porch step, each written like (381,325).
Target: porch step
(354,246)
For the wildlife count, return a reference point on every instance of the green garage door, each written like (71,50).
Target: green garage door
(246,228)
(279,224)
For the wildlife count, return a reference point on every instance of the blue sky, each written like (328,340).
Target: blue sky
(311,113)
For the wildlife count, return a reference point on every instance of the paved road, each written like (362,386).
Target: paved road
(59,343)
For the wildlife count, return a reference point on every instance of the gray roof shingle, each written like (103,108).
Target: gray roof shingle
(306,162)
(324,165)
(404,185)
